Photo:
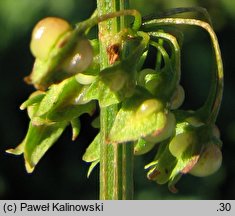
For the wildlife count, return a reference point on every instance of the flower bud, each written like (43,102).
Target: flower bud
(209,161)
(149,79)
(45,35)
(143,74)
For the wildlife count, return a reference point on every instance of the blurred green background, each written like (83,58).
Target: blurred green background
(61,174)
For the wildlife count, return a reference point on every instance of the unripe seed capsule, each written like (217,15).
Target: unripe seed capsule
(209,162)
(165,130)
(118,81)
(81,57)
(45,35)
(149,106)
(180,143)
(216,132)
(178,98)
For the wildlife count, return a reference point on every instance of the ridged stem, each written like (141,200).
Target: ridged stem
(116,160)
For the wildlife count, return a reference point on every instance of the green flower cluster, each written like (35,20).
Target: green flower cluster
(69,82)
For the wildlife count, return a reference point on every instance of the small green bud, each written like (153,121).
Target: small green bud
(149,79)
(45,35)
(209,161)
(143,74)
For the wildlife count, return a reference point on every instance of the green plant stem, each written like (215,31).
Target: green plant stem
(116,160)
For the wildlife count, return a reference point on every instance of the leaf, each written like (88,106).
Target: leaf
(163,165)
(65,114)
(130,124)
(96,122)
(62,103)
(92,154)
(76,126)
(59,95)
(98,90)
(142,147)
(93,151)
(92,166)
(18,150)
(34,98)
(32,103)
(117,82)
(37,141)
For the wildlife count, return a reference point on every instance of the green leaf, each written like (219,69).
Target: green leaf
(76,126)
(32,103)
(117,82)
(63,102)
(142,147)
(96,122)
(18,150)
(37,142)
(132,122)
(98,90)
(120,78)
(92,154)
(59,95)
(163,165)
(35,97)
(92,166)
(93,151)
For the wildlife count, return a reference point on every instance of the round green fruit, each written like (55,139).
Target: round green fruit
(180,143)
(165,129)
(178,97)
(45,35)
(81,58)
(149,106)
(209,162)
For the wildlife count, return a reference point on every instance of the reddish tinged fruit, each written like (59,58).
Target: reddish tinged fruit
(209,161)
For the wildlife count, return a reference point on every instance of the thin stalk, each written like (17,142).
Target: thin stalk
(173,65)
(116,160)
(212,104)
(159,56)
